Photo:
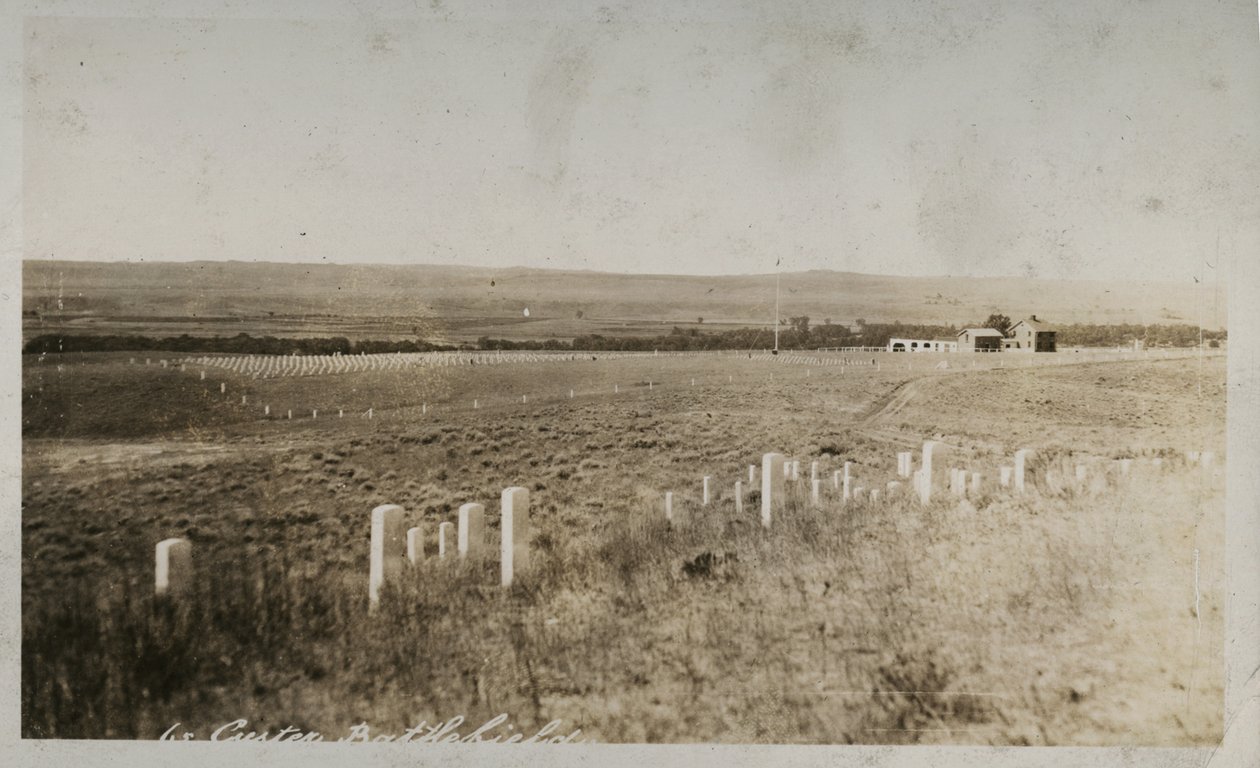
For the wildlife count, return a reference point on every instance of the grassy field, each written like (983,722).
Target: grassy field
(1087,615)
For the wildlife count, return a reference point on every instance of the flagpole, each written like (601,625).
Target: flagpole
(776,308)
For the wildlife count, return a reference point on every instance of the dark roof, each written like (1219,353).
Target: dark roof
(981,332)
(1036,325)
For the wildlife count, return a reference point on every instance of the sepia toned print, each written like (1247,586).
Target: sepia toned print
(639,379)
(851,545)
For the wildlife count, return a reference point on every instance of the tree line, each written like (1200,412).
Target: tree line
(794,334)
(242,343)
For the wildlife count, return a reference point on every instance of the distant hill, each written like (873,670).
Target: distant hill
(463,302)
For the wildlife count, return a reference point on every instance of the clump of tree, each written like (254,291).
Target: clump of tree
(1000,323)
(1123,335)
(242,343)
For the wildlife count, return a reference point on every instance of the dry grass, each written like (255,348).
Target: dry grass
(1066,617)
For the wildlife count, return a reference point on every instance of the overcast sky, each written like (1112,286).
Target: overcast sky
(1058,139)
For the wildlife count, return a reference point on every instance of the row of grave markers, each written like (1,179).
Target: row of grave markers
(393,546)
(235,362)
(777,469)
(269,366)
(424,407)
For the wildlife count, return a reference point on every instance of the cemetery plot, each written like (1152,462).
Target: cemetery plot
(650,548)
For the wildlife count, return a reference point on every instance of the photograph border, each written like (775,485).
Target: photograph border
(1241,743)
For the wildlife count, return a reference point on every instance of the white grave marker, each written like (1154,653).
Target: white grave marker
(471,535)
(387,548)
(932,452)
(415,544)
(514,528)
(173,567)
(445,537)
(772,465)
(1021,468)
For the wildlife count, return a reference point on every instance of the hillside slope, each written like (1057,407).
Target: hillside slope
(57,292)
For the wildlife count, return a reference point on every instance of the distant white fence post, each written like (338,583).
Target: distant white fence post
(705,499)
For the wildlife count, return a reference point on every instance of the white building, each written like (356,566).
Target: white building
(923,345)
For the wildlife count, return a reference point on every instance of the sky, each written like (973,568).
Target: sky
(1091,140)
